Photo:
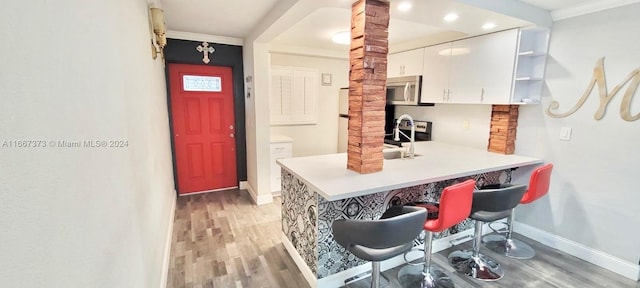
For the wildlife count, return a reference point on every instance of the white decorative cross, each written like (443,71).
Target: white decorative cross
(205,49)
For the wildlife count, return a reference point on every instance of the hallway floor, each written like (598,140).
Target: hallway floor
(221,239)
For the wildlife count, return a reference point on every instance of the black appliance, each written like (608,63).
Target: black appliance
(423,131)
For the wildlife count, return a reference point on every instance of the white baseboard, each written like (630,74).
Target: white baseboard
(252,193)
(259,199)
(604,260)
(306,271)
(337,279)
(243,185)
(167,245)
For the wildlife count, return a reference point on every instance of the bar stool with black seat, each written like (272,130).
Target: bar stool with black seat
(454,207)
(488,205)
(379,240)
(507,245)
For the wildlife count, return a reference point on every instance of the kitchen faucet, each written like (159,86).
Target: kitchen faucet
(413,133)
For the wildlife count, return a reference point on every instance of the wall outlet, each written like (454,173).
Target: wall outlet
(565,133)
(465,124)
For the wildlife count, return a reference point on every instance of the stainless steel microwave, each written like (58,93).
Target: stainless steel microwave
(404,90)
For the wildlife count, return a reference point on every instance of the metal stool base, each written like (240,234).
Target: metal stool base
(479,267)
(493,238)
(366,278)
(412,276)
(512,248)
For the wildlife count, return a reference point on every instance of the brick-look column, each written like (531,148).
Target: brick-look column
(504,122)
(367,84)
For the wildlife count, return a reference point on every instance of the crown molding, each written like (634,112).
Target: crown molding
(204,37)
(308,51)
(588,8)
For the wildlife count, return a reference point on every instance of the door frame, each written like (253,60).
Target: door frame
(180,51)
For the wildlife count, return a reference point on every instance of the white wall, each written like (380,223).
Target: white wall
(593,199)
(321,138)
(448,122)
(256,65)
(82,217)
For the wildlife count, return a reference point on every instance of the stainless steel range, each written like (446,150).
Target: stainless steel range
(423,132)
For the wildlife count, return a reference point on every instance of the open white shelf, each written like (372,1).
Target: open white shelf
(528,79)
(530,66)
(532,53)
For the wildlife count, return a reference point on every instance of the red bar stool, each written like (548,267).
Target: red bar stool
(514,248)
(454,207)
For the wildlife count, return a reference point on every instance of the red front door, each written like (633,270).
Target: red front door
(203,127)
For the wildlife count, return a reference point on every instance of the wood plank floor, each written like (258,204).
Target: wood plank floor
(550,268)
(221,239)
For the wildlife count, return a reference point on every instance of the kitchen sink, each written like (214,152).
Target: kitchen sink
(397,154)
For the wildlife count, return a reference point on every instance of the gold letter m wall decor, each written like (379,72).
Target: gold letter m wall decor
(599,79)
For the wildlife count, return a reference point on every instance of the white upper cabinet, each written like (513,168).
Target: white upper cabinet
(405,63)
(462,71)
(488,69)
(494,65)
(436,73)
(465,83)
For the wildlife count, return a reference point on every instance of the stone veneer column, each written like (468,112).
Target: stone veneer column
(502,135)
(367,84)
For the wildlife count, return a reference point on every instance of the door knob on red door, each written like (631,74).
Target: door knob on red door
(231,135)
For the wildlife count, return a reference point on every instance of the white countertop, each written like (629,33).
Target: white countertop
(280,139)
(328,174)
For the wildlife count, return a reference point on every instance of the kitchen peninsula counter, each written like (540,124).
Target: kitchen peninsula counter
(318,190)
(328,176)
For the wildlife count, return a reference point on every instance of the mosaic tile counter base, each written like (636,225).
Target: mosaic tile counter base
(307,217)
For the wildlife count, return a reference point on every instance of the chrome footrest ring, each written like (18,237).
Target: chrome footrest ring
(406,261)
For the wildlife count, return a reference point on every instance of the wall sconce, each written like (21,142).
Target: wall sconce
(160,30)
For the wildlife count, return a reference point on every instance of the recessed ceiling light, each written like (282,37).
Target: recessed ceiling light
(488,26)
(343,37)
(405,6)
(450,17)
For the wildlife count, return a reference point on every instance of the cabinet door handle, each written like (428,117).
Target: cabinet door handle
(444,94)
(448,94)
(482,95)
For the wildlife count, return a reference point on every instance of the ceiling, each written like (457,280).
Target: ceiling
(424,23)
(231,18)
